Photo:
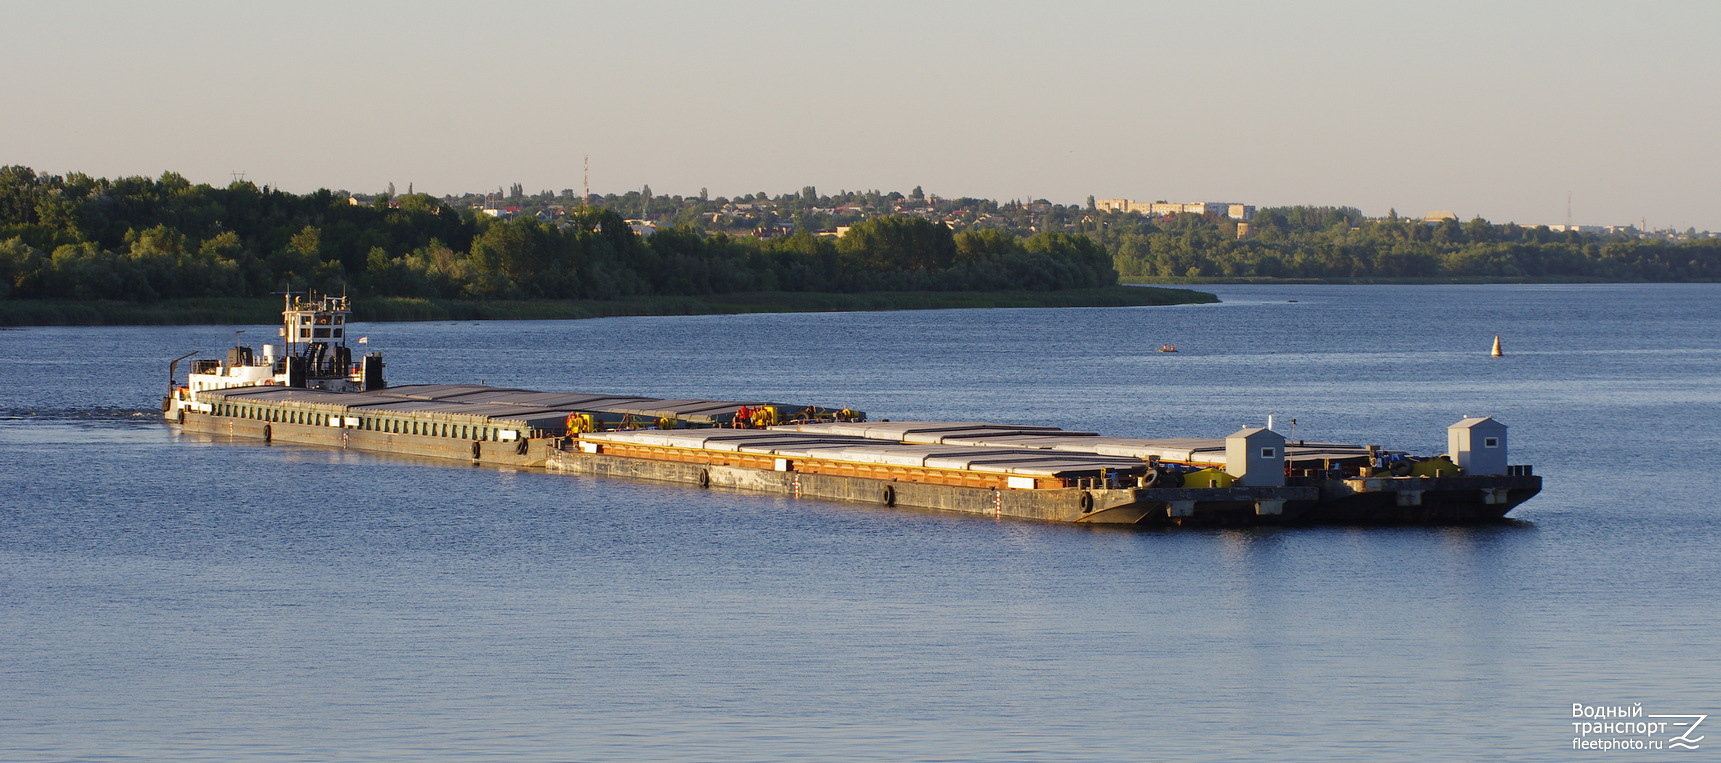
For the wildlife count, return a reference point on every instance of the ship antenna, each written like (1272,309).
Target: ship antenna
(343,307)
(286,328)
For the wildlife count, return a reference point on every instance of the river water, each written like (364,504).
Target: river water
(181,598)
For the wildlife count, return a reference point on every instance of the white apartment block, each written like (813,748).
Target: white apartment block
(1210,209)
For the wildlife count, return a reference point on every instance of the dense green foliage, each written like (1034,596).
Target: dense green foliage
(138,239)
(1309,242)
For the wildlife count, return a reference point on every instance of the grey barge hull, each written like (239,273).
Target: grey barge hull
(489,453)
(1419,500)
(1107,506)
(1032,473)
(1348,489)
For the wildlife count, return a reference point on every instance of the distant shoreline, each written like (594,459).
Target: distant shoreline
(266,310)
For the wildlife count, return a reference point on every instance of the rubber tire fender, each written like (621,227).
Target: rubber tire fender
(521,448)
(477,450)
(1087,502)
(705,478)
(268,434)
(887,496)
(1150,478)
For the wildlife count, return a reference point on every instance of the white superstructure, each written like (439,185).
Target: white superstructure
(315,355)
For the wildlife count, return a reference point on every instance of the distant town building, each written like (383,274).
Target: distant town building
(1440,215)
(1209,209)
(1615,229)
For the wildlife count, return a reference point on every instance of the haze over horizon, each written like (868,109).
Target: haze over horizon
(1498,111)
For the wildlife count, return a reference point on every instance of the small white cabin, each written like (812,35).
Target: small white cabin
(1256,457)
(1478,445)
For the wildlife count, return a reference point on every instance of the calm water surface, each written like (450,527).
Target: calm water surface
(187,599)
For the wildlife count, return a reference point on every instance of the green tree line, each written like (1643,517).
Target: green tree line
(1280,242)
(1338,242)
(142,239)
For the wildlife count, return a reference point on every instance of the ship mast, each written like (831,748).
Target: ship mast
(287,324)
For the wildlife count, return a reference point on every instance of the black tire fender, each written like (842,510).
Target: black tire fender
(268,434)
(887,496)
(477,450)
(705,478)
(1087,502)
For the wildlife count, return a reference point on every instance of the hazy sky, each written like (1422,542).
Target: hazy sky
(1492,109)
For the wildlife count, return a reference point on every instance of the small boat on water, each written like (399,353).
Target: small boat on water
(1168,348)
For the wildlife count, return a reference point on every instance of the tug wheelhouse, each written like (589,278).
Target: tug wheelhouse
(317,353)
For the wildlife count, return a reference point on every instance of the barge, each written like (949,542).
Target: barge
(316,393)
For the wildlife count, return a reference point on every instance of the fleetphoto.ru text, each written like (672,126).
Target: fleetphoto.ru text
(1628,727)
